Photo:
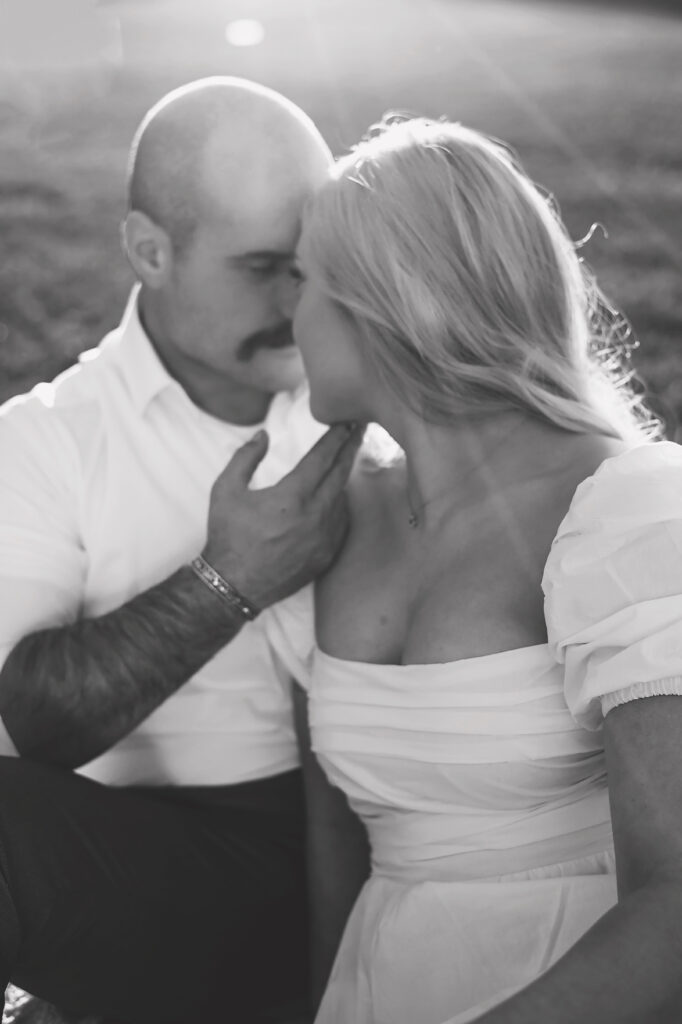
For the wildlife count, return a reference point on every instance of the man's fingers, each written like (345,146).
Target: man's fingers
(246,459)
(337,477)
(315,464)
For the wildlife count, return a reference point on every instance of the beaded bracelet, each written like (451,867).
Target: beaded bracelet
(215,582)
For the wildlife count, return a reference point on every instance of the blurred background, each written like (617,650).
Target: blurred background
(589,94)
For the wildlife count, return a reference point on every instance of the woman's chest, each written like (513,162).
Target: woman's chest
(394,598)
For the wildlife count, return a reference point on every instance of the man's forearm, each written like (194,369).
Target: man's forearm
(70,693)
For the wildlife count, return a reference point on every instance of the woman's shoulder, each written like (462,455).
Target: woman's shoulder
(641,484)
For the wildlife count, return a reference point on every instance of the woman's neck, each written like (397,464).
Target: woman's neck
(463,461)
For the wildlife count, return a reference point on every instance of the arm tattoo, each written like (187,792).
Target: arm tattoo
(70,693)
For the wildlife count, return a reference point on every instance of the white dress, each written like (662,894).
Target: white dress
(482,782)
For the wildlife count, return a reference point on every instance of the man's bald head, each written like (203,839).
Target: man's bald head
(222,141)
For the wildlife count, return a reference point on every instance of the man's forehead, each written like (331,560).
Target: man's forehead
(273,229)
(263,204)
(251,175)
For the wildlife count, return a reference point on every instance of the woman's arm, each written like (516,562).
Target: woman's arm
(628,967)
(338,857)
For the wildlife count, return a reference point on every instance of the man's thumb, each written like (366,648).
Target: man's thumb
(246,459)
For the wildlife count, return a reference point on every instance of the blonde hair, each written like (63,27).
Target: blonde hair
(464,286)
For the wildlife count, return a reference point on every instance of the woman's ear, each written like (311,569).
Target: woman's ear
(148,249)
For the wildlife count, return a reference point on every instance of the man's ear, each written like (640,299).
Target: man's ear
(148,248)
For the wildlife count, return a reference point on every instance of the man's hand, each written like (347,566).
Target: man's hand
(269,543)
(69,693)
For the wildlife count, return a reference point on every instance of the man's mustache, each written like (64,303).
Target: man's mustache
(274,337)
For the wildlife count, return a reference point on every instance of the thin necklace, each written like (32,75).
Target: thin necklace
(413,517)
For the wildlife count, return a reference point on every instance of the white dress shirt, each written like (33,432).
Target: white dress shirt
(105,477)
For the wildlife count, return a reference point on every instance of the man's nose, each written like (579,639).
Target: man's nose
(286,294)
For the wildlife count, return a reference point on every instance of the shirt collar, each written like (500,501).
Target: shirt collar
(144,373)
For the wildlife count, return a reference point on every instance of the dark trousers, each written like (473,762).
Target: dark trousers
(152,906)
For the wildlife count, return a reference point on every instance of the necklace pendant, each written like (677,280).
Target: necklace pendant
(412,520)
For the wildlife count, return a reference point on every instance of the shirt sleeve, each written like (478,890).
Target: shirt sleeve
(290,631)
(42,561)
(613,584)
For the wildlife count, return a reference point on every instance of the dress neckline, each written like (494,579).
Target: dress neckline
(513,653)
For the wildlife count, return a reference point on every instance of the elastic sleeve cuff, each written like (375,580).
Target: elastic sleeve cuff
(671,686)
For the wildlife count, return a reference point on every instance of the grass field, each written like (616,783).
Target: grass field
(590,95)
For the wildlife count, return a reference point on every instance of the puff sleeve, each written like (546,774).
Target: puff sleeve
(613,584)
